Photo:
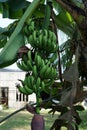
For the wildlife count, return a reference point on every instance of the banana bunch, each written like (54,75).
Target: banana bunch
(43,40)
(39,85)
(26,62)
(40,69)
(34,83)
(24,87)
(39,61)
(48,72)
(31,85)
(43,68)
(27,86)
(28,27)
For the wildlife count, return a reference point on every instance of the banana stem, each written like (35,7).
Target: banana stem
(38,102)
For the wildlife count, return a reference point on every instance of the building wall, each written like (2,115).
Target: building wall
(9,79)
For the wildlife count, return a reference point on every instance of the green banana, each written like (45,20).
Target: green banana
(50,34)
(29,64)
(54,46)
(42,71)
(48,63)
(29,91)
(25,58)
(30,39)
(34,69)
(40,39)
(30,56)
(48,73)
(52,41)
(32,80)
(29,82)
(38,61)
(42,63)
(42,85)
(25,66)
(32,24)
(53,38)
(26,80)
(44,42)
(34,34)
(22,89)
(51,73)
(31,27)
(49,46)
(54,72)
(35,88)
(20,66)
(26,85)
(55,49)
(45,31)
(38,82)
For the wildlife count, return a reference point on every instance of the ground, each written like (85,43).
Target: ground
(22,120)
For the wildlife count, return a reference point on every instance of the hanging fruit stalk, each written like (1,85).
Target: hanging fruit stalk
(40,68)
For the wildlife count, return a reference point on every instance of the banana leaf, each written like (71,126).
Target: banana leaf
(67,28)
(8,53)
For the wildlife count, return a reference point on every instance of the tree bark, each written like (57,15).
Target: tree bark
(79,15)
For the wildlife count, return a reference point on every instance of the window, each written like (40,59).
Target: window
(21,97)
(4,95)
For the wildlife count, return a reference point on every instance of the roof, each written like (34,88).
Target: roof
(10,70)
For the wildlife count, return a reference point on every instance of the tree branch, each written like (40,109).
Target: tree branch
(59,61)
(75,11)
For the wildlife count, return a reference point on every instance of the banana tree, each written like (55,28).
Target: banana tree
(70,17)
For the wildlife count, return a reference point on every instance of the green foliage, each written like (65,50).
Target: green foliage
(5,59)
(13,9)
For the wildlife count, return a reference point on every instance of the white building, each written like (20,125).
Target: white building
(9,94)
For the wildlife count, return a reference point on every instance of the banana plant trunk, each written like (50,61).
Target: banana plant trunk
(38,122)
